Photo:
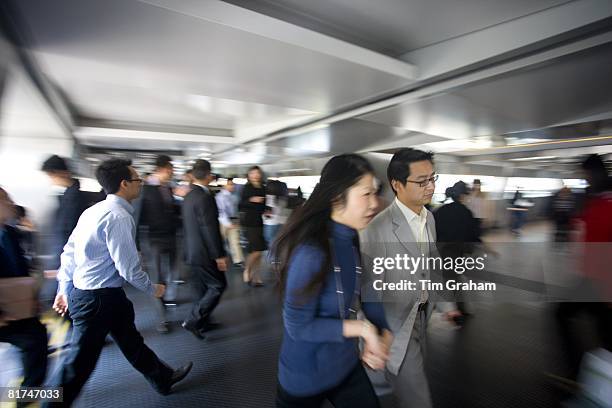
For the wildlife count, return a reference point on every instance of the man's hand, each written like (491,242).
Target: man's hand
(159,290)
(450,316)
(60,305)
(257,199)
(221,264)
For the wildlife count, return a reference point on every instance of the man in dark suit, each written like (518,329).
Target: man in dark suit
(158,216)
(70,206)
(27,334)
(204,249)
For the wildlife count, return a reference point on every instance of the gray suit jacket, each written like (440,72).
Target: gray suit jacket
(387,236)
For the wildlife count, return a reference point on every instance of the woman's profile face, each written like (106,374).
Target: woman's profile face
(360,205)
(254,176)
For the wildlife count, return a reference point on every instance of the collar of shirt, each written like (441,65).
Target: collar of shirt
(410,215)
(112,198)
(417,222)
(153,180)
(201,185)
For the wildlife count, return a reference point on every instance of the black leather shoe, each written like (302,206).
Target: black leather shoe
(196,332)
(209,326)
(177,375)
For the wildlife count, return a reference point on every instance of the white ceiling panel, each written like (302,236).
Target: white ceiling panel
(129,45)
(395,27)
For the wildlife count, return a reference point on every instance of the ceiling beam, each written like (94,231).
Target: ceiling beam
(258,24)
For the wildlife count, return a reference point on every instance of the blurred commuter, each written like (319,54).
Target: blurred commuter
(204,247)
(158,217)
(252,206)
(481,205)
(70,206)
(185,187)
(407,228)
(457,233)
(227,203)
(275,214)
(518,212)
(27,232)
(562,209)
(98,259)
(319,270)
(19,324)
(596,232)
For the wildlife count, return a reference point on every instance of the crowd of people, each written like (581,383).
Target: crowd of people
(317,251)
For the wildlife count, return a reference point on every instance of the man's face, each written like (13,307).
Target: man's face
(166,174)
(229,186)
(133,187)
(187,177)
(7,207)
(57,177)
(411,193)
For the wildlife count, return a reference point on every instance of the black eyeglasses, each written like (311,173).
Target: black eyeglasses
(136,179)
(425,182)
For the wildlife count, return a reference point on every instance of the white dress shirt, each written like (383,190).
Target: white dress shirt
(101,251)
(418,225)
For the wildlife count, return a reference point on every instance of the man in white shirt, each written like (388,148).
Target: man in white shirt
(406,229)
(227,203)
(98,259)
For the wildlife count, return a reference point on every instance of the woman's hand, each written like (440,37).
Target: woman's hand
(387,338)
(376,348)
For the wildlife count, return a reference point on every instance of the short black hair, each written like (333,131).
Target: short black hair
(254,168)
(201,169)
(112,172)
(595,164)
(163,161)
(230,179)
(53,164)
(399,166)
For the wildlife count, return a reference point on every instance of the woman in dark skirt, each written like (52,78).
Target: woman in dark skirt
(253,205)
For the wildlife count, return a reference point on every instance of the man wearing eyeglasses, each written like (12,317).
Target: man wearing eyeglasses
(406,229)
(98,259)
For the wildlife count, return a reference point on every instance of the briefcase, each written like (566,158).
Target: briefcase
(18,298)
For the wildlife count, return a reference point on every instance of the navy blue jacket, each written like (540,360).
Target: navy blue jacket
(315,356)
(71,206)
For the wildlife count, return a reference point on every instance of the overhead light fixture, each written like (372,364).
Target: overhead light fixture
(291,170)
(549,142)
(534,158)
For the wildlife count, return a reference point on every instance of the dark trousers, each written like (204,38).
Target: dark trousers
(30,337)
(162,249)
(355,391)
(162,255)
(209,284)
(96,313)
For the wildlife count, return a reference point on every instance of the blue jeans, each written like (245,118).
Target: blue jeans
(270,232)
(518,219)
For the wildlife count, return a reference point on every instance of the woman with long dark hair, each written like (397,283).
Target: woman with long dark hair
(252,206)
(319,265)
